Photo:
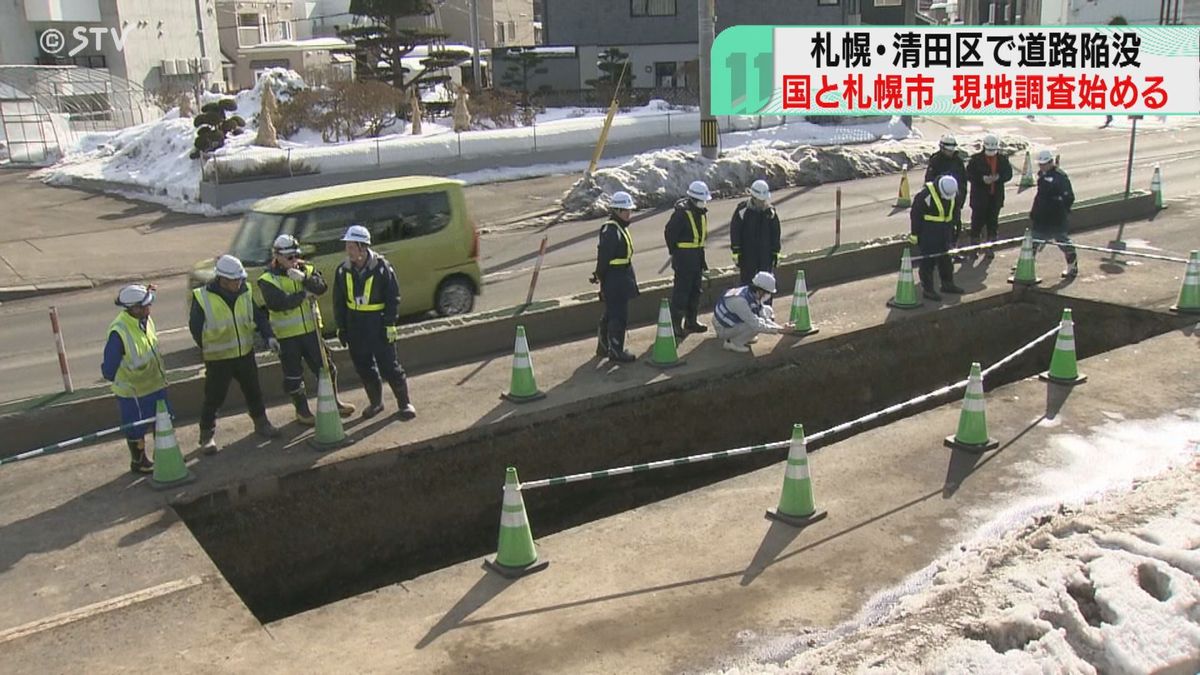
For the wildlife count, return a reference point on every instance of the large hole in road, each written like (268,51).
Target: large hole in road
(303,540)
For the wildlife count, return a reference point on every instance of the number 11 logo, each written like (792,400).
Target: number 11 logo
(743,72)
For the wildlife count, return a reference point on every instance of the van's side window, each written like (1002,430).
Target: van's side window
(388,219)
(323,228)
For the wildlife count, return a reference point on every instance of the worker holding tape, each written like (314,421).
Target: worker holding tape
(366,306)
(742,313)
(288,288)
(134,366)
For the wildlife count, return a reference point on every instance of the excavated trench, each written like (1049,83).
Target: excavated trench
(303,540)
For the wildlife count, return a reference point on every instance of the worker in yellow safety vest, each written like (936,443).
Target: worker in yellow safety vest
(134,366)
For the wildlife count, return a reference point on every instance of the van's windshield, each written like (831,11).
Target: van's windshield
(252,245)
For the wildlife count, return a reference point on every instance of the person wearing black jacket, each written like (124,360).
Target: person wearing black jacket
(754,233)
(614,273)
(289,289)
(1051,206)
(930,220)
(366,307)
(988,172)
(222,322)
(685,234)
(947,162)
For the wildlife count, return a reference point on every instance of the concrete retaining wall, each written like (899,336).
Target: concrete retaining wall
(445,342)
(294,542)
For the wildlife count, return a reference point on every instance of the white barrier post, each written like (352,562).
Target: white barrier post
(62,351)
(537,268)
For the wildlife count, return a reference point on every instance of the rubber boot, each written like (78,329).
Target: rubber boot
(692,325)
(264,428)
(138,462)
(303,414)
(374,398)
(602,341)
(406,409)
(677,324)
(344,409)
(208,442)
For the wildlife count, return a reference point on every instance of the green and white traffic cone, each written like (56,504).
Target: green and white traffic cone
(972,434)
(903,196)
(1156,188)
(1189,294)
(665,353)
(169,469)
(1063,367)
(523,387)
(796,506)
(1026,272)
(1027,180)
(516,555)
(329,433)
(800,319)
(906,286)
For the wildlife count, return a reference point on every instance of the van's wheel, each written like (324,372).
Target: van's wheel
(454,296)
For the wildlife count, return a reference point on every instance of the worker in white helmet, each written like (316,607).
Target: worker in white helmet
(134,366)
(1051,207)
(289,288)
(223,321)
(366,308)
(614,273)
(742,313)
(686,233)
(988,170)
(931,220)
(754,233)
(948,162)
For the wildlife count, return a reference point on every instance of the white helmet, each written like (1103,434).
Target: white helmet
(765,281)
(947,186)
(948,141)
(135,295)
(991,144)
(358,234)
(230,267)
(621,200)
(760,190)
(1045,156)
(286,244)
(698,190)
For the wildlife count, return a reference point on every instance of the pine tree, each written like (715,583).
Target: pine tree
(382,43)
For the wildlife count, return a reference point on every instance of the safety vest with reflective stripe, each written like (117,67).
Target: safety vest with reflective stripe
(944,214)
(141,371)
(699,232)
(301,320)
(726,316)
(354,303)
(227,334)
(628,245)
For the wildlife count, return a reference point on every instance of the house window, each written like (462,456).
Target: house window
(500,32)
(512,30)
(833,3)
(248,20)
(664,74)
(654,7)
(889,3)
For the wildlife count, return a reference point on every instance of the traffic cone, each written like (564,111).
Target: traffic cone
(1189,294)
(800,320)
(903,198)
(329,433)
(169,469)
(665,353)
(1063,367)
(1027,180)
(972,432)
(796,501)
(516,555)
(1156,187)
(906,286)
(523,388)
(1026,273)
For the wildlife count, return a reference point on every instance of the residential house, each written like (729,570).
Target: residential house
(260,34)
(155,44)
(501,22)
(1068,12)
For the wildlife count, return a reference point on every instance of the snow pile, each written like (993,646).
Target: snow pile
(1106,582)
(659,178)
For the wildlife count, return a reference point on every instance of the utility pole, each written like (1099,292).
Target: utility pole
(475,46)
(708,124)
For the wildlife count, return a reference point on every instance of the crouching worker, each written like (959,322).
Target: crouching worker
(135,368)
(742,313)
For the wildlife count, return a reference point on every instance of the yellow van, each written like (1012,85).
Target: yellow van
(419,223)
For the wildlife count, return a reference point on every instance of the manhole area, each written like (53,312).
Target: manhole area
(336,531)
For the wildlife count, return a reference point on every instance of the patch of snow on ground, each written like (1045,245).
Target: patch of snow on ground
(1096,571)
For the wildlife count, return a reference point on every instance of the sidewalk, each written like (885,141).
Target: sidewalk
(660,588)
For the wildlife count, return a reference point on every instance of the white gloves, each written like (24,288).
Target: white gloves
(273,345)
(991,178)
(296,274)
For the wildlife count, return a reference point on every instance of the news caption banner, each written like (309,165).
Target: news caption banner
(956,70)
